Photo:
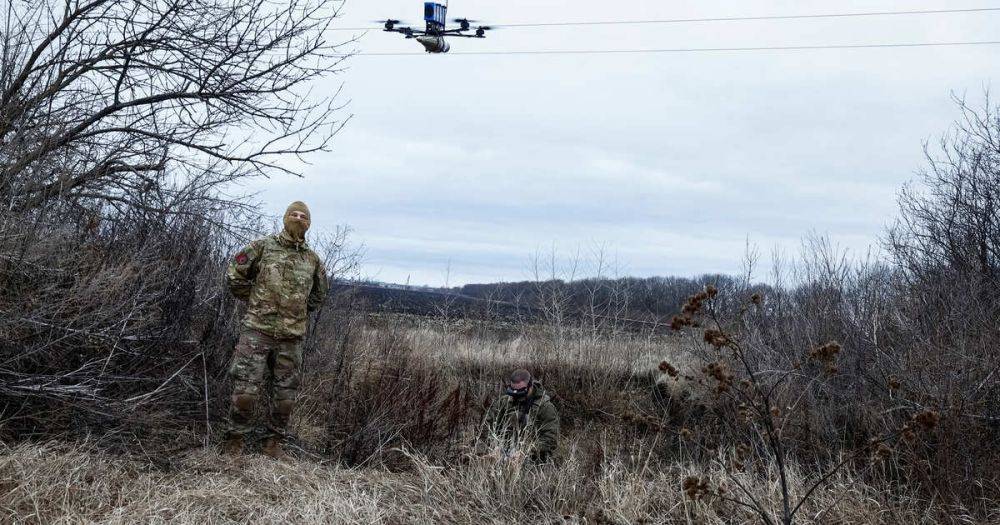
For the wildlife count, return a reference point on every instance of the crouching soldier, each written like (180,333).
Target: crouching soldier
(523,422)
(282,280)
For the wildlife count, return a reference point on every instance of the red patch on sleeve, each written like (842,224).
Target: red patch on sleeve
(241,258)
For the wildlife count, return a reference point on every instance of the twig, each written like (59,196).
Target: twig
(147,395)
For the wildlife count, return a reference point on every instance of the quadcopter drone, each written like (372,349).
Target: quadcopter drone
(433,37)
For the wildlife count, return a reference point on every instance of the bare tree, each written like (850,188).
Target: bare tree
(596,287)
(947,243)
(950,219)
(113,101)
(552,291)
(446,305)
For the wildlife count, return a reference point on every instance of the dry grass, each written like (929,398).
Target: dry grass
(57,483)
(612,470)
(451,344)
(70,484)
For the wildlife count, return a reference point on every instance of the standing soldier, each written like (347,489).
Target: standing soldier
(524,421)
(282,280)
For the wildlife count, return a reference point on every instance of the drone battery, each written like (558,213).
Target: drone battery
(435,13)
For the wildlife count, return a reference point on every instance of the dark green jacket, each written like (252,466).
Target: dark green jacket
(532,423)
(282,281)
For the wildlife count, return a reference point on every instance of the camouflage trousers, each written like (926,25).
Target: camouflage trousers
(257,361)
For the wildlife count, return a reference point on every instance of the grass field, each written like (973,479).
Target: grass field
(52,483)
(382,437)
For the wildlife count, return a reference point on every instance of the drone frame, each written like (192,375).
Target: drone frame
(409,32)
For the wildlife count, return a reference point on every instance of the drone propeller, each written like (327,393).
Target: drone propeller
(481,30)
(389,23)
(464,23)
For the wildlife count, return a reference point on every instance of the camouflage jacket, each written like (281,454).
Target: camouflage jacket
(532,423)
(282,280)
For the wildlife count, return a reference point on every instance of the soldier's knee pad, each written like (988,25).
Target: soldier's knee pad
(244,403)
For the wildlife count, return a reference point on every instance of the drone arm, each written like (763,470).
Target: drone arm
(409,32)
(464,36)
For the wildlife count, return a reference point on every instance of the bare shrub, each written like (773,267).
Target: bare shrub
(88,317)
(761,400)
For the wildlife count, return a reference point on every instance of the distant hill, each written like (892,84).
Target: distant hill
(435,302)
(626,302)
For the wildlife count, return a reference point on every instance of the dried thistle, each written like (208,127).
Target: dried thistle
(720,372)
(756,299)
(894,383)
(678,322)
(825,353)
(927,419)
(696,488)
(907,433)
(686,434)
(694,303)
(716,338)
(668,369)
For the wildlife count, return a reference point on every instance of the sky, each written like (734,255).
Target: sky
(457,169)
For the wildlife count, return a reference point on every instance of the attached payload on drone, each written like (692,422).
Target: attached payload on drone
(433,37)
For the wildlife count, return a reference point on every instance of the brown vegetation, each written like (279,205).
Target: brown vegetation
(57,483)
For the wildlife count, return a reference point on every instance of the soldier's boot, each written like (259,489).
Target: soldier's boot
(280,413)
(272,447)
(233,445)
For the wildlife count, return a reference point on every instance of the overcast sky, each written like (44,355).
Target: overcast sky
(672,161)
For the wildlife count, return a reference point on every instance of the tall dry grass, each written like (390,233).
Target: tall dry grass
(59,483)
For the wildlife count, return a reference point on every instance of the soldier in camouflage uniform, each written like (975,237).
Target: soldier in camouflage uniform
(282,280)
(523,422)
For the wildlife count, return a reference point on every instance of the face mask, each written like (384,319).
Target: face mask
(297,229)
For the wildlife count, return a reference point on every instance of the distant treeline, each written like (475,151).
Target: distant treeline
(598,303)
